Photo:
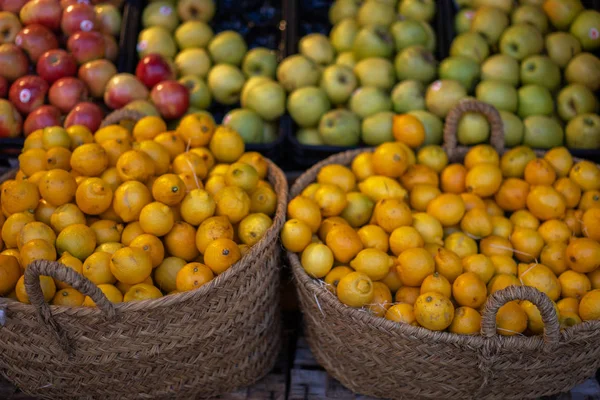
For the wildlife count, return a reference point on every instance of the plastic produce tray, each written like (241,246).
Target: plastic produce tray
(260,22)
(312,16)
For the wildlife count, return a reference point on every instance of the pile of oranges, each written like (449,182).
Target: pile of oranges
(141,212)
(418,240)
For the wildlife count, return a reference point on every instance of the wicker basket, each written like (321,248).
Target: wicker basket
(195,344)
(377,357)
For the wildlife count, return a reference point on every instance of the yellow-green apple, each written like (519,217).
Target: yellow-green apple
(260,62)
(122,89)
(228,47)
(11,121)
(501,67)
(575,99)
(376,71)
(583,132)
(96,74)
(267,100)
(200,97)
(13,62)
(338,82)
(584,68)
(415,63)
(225,82)
(408,95)
(156,39)
(193,62)
(297,71)
(562,12)
(443,95)
(9,27)
(373,41)
(109,18)
(535,100)
(340,127)
(307,105)
(200,10)
(367,100)
(562,47)
(193,34)
(247,123)
(160,13)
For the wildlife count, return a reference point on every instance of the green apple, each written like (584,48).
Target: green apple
(408,95)
(338,82)
(317,48)
(156,39)
(375,13)
(535,100)
(250,83)
(420,10)
(473,128)
(193,34)
(309,137)
(489,22)
(247,123)
(342,35)
(540,70)
(521,41)
(377,128)
(513,129)
(270,132)
(200,97)
(504,5)
(415,63)
(586,28)
(574,100)
(193,62)
(584,68)
(537,3)
(297,71)
(499,94)
(465,3)
(562,12)
(199,10)
(562,47)
(471,45)
(443,95)
(373,41)
(160,13)
(542,132)
(532,15)
(501,67)
(342,9)
(463,20)
(267,100)
(462,69)
(143,106)
(260,62)
(408,33)
(340,127)
(346,59)
(434,127)
(228,47)
(376,71)
(368,100)
(431,37)
(225,82)
(307,105)
(583,132)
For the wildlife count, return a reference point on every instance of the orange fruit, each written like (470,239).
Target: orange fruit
(545,203)
(448,264)
(472,201)
(390,214)
(142,291)
(158,153)
(13,253)
(295,235)
(483,179)
(467,321)
(421,196)
(591,224)
(35,230)
(362,166)
(68,297)
(226,145)
(65,215)
(317,260)
(344,243)
(259,163)
(407,294)
(392,279)
(46,283)
(221,254)
(583,255)
(460,244)
(382,299)
(555,230)
(79,135)
(209,159)
(171,142)
(569,190)
(242,175)
(70,262)
(373,237)
(594,277)
(130,232)
(434,311)
(589,199)
(381,188)
(480,265)
(469,290)
(10,272)
(540,277)
(492,208)
(358,210)
(32,161)
(97,268)
(511,319)
(89,159)
(78,240)
(527,244)
(448,208)
(390,159)
(110,291)
(477,223)
(433,156)
(355,290)
(335,174)
(568,320)
(419,174)
(232,202)
(135,165)
(197,206)
(333,277)
(328,224)
(372,262)
(115,148)
(331,200)
(481,154)
(19,196)
(253,227)
(110,247)
(568,304)
(59,158)
(539,172)
(165,275)
(403,238)
(148,127)
(193,275)
(196,130)
(111,177)
(57,187)
(151,245)
(55,136)
(504,265)
(414,265)
(574,284)
(502,227)
(181,242)
(560,159)
(586,174)
(93,196)
(111,132)
(589,306)
(35,178)
(131,265)
(168,189)
(403,313)
(264,200)
(502,281)
(211,229)
(189,163)
(512,194)
(107,231)
(453,179)
(156,218)
(408,129)
(437,283)
(573,219)
(12,227)
(534,318)
(496,246)
(34,140)
(524,219)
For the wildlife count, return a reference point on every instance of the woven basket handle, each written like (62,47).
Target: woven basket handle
(464,106)
(115,117)
(541,301)
(67,275)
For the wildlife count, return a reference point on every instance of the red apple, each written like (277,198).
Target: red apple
(10,25)
(122,89)
(66,3)
(111,48)
(96,75)
(13,6)
(171,99)
(28,93)
(13,62)
(43,12)
(35,40)
(86,114)
(40,118)
(56,64)
(153,69)
(109,18)
(11,121)
(66,93)
(86,46)
(79,17)
(3,87)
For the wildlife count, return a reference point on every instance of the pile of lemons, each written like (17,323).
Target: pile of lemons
(141,212)
(418,240)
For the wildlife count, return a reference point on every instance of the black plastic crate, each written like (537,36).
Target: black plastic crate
(312,16)
(260,22)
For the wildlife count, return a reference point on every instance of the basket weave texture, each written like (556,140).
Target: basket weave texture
(377,357)
(195,344)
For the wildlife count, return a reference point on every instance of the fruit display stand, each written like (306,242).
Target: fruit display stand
(381,358)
